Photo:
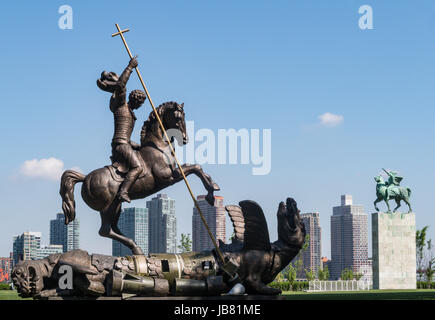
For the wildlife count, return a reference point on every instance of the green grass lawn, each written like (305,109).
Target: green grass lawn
(421,294)
(10,295)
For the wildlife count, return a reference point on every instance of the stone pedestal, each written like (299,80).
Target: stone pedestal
(394,250)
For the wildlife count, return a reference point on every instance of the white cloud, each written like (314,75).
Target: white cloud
(330,120)
(50,169)
(78,169)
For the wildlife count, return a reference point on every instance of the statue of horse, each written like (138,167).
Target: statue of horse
(385,192)
(100,187)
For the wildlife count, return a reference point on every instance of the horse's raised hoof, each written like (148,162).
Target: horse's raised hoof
(210,198)
(123,197)
(215,187)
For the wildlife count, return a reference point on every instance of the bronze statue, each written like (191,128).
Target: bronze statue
(249,263)
(391,190)
(188,274)
(124,158)
(137,170)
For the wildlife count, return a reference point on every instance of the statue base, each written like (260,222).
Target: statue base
(394,250)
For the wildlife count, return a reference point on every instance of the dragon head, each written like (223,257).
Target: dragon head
(291,229)
(27,277)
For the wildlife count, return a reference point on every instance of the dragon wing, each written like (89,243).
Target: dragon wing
(236,216)
(250,226)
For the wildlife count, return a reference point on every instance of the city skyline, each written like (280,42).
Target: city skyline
(62,238)
(312,221)
(346,200)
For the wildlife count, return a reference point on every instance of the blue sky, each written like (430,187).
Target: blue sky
(235,64)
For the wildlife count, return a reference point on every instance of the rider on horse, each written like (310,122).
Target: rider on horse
(393,178)
(123,149)
(393,181)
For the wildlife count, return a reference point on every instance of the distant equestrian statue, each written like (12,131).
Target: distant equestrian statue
(391,189)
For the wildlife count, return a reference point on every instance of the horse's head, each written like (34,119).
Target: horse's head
(175,124)
(379,180)
(172,116)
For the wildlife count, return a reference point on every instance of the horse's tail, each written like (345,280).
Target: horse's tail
(409,192)
(67,183)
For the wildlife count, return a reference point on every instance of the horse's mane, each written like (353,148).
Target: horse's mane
(161,109)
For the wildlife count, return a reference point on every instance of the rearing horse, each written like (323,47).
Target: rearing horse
(100,187)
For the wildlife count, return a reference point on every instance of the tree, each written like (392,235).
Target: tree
(279,277)
(420,242)
(185,243)
(430,271)
(299,263)
(291,274)
(310,275)
(430,268)
(323,274)
(347,274)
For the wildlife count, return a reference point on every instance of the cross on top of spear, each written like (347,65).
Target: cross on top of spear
(120,31)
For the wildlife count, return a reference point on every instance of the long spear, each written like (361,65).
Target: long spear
(120,33)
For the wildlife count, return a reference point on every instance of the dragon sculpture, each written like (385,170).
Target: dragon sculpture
(254,258)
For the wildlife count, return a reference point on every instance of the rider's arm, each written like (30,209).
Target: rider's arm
(121,90)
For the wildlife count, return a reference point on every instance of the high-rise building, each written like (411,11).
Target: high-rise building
(6,269)
(26,246)
(367,271)
(215,218)
(66,235)
(162,234)
(47,250)
(312,255)
(133,223)
(349,237)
